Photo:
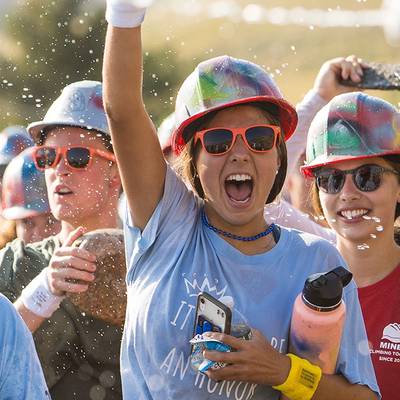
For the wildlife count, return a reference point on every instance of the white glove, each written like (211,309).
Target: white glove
(38,298)
(126,13)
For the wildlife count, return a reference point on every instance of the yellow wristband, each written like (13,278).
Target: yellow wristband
(302,381)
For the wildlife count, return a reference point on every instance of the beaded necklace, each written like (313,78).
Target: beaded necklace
(232,235)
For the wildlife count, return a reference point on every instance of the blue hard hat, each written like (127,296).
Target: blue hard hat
(24,188)
(13,140)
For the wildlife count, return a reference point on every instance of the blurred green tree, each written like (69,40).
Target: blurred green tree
(54,43)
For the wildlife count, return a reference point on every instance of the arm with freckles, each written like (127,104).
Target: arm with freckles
(326,86)
(48,289)
(256,361)
(140,159)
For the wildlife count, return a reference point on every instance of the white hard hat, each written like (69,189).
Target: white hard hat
(80,104)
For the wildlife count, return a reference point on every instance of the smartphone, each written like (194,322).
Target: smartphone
(378,76)
(211,315)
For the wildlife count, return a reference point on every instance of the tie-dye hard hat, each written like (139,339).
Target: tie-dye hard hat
(24,192)
(352,126)
(80,105)
(13,140)
(223,82)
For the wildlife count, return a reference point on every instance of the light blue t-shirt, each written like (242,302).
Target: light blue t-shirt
(175,258)
(21,375)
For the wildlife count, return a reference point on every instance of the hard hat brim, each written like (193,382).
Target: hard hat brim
(19,212)
(324,161)
(35,129)
(287,117)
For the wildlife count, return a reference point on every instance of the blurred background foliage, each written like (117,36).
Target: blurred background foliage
(45,45)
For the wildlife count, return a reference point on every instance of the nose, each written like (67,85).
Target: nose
(349,190)
(62,167)
(239,150)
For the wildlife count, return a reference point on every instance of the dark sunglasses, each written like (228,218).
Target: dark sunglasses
(258,138)
(366,178)
(78,157)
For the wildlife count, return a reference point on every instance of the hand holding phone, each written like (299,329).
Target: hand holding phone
(378,76)
(211,316)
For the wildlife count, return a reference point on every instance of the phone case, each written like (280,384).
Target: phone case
(378,76)
(211,315)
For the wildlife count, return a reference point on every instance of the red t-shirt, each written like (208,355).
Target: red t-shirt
(380,305)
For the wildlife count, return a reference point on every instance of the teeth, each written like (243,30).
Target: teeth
(239,177)
(63,191)
(350,214)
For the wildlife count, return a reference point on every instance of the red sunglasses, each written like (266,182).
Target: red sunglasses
(78,157)
(258,138)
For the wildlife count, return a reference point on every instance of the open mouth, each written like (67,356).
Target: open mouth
(353,214)
(239,187)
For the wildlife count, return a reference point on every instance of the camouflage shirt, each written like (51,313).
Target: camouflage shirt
(79,354)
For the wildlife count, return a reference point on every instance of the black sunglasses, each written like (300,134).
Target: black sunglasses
(366,178)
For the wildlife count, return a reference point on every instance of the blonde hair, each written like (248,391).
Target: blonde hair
(7,231)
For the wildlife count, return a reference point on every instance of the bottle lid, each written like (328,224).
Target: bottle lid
(324,291)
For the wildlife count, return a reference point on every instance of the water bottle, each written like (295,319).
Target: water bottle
(318,319)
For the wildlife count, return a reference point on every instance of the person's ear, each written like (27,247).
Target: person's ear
(115,178)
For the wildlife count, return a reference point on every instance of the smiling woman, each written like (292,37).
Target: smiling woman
(232,123)
(353,153)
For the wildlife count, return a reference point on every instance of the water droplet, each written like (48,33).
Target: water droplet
(366,217)
(379,228)
(376,219)
(97,392)
(373,235)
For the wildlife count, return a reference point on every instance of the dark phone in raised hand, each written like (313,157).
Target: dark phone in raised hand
(378,76)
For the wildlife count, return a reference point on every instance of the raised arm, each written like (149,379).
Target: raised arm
(138,151)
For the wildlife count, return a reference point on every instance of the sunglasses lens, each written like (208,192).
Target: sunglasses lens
(78,157)
(330,181)
(217,141)
(45,157)
(368,177)
(260,138)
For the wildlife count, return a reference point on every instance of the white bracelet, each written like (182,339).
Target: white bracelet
(124,14)
(38,298)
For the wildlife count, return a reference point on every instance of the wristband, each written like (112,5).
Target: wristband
(302,381)
(38,298)
(124,14)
